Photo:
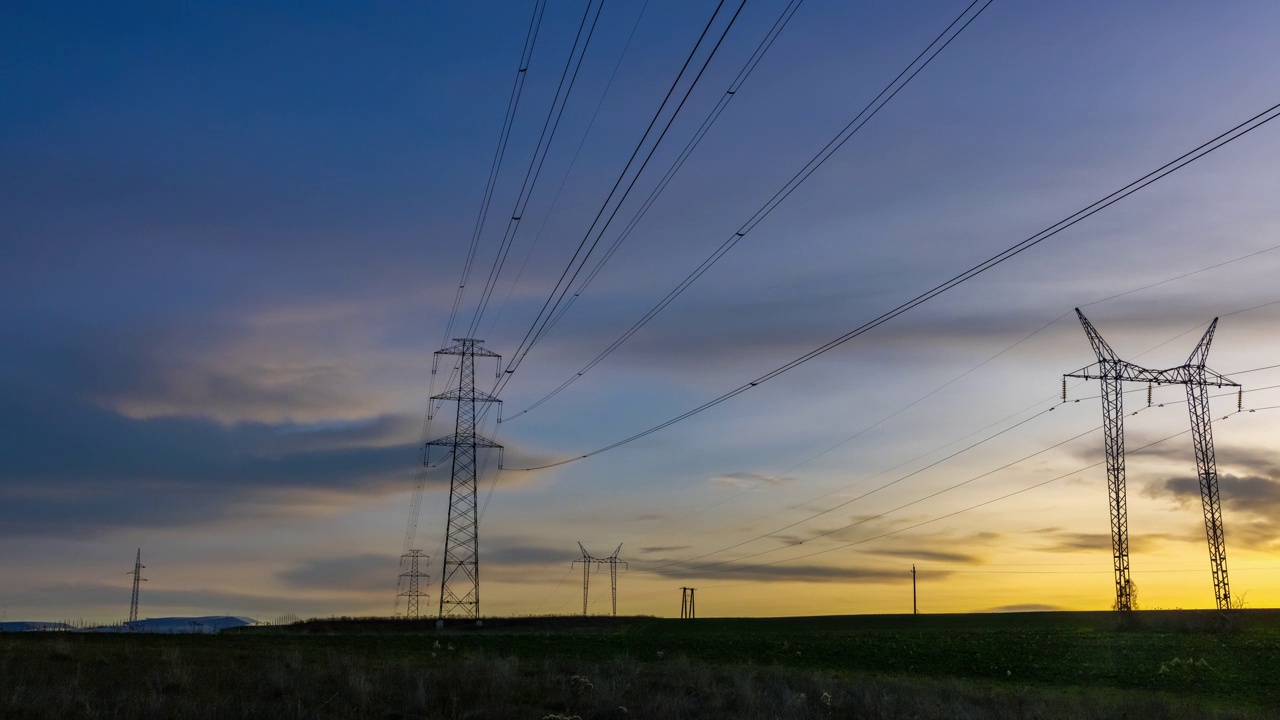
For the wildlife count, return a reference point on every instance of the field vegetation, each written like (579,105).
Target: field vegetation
(1033,665)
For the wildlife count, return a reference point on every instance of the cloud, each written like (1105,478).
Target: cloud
(750,480)
(664,548)
(73,468)
(1064,541)
(523,552)
(929,555)
(786,572)
(358,573)
(1251,502)
(1026,607)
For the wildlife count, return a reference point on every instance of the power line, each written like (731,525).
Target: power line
(913,502)
(539,157)
(579,258)
(734,87)
(573,162)
(889,484)
(962,510)
(1168,168)
(531,336)
(848,131)
(513,102)
(997,422)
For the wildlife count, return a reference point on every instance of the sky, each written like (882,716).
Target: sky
(233,234)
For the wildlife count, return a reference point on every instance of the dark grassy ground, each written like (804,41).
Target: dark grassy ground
(1041,665)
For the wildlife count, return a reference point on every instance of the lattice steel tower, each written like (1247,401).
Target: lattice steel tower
(460,574)
(613,562)
(587,561)
(137,580)
(410,580)
(1113,373)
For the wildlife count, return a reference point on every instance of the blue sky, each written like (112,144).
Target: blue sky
(233,234)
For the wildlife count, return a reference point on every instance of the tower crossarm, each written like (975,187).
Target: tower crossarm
(464,439)
(467,346)
(474,395)
(1115,370)
(1188,374)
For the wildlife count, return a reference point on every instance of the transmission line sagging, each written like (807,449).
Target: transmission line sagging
(604,216)
(876,104)
(1200,151)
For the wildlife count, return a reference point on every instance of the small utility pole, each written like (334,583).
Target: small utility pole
(687,609)
(915,610)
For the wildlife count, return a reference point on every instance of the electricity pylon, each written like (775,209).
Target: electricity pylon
(587,562)
(687,609)
(460,574)
(410,581)
(137,580)
(612,561)
(1112,372)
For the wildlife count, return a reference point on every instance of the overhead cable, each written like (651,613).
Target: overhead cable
(1168,168)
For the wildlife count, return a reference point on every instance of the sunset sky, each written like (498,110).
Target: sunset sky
(233,233)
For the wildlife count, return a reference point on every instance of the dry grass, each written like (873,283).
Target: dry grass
(131,677)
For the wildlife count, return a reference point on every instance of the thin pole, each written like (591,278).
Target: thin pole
(915,610)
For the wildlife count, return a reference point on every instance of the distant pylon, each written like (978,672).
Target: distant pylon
(137,580)
(410,579)
(1112,372)
(612,561)
(687,609)
(587,561)
(460,572)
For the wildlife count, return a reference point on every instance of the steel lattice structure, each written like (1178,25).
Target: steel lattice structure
(460,574)
(612,561)
(1112,372)
(137,581)
(411,581)
(586,561)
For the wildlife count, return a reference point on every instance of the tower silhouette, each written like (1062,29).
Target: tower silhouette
(460,574)
(137,580)
(1113,372)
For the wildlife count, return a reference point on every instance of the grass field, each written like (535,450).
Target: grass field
(1034,665)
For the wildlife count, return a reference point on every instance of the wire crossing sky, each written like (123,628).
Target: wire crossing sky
(236,235)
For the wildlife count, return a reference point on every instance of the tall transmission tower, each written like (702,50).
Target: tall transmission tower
(410,579)
(1112,372)
(587,561)
(137,580)
(460,574)
(612,561)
